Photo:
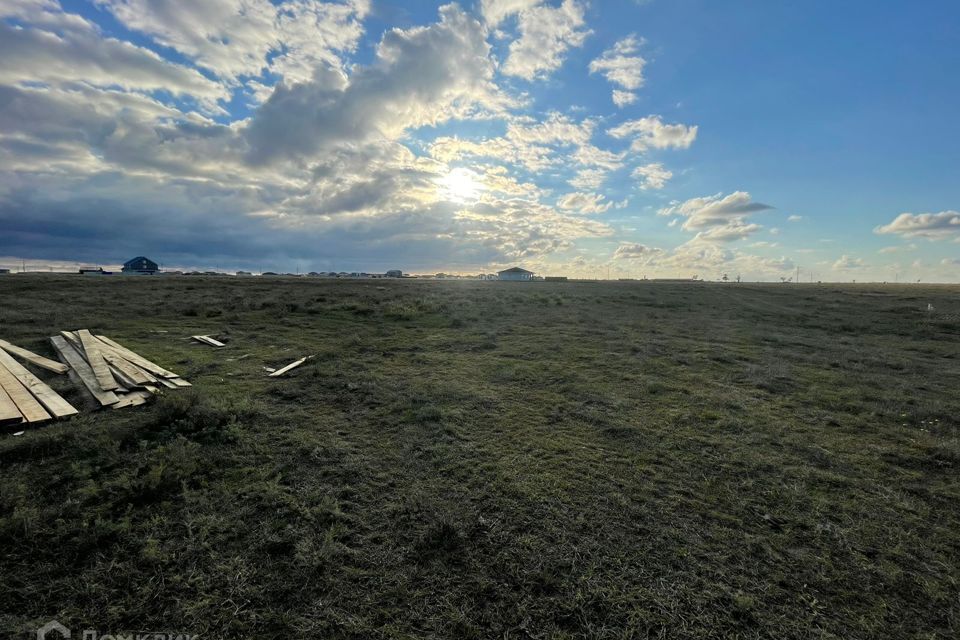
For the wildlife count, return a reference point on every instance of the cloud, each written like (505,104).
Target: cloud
(588,179)
(718,217)
(635,251)
(898,249)
(794,218)
(555,141)
(233,38)
(421,76)
(733,230)
(546,33)
(584,203)
(932,226)
(496,11)
(33,54)
(652,176)
(650,132)
(847,263)
(622,67)
(623,98)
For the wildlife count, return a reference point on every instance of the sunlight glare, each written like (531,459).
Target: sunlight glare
(460,185)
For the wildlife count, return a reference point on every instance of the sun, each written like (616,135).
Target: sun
(460,185)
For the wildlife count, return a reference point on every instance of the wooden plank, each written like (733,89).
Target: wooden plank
(289,367)
(134,375)
(32,358)
(137,359)
(50,399)
(9,414)
(180,382)
(133,372)
(95,359)
(132,399)
(29,408)
(208,340)
(73,358)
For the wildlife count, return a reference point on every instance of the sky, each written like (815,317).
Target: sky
(622,138)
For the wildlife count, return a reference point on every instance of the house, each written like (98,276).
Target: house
(515,273)
(4,270)
(140,266)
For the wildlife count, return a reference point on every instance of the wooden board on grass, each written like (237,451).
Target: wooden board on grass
(29,408)
(289,367)
(73,358)
(33,358)
(9,414)
(208,340)
(50,399)
(91,347)
(137,359)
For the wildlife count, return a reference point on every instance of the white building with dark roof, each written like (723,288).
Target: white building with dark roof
(516,274)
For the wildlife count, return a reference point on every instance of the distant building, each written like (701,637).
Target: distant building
(516,274)
(141,266)
(244,273)
(4,270)
(394,273)
(93,272)
(556,278)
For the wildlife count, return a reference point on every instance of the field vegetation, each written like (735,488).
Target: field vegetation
(483,459)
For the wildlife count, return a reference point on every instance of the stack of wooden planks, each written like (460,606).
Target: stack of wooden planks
(23,396)
(115,376)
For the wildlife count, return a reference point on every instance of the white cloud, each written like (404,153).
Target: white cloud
(932,226)
(584,203)
(78,51)
(546,33)
(232,38)
(651,132)
(652,176)
(588,179)
(898,249)
(496,11)
(621,66)
(636,251)
(794,218)
(623,98)
(715,211)
(421,76)
(847,263)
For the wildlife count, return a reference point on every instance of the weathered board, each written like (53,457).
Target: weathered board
(33,358)
(95,359)
(50,399)
(289,367)
(134,374)
(9,414)
(29,408)
(208,340)
(73,358)
(137,359)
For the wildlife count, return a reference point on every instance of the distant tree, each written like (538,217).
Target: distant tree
(725,278)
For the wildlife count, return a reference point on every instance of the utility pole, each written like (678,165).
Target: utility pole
(797,280)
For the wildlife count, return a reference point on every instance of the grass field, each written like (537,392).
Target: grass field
(483,459)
